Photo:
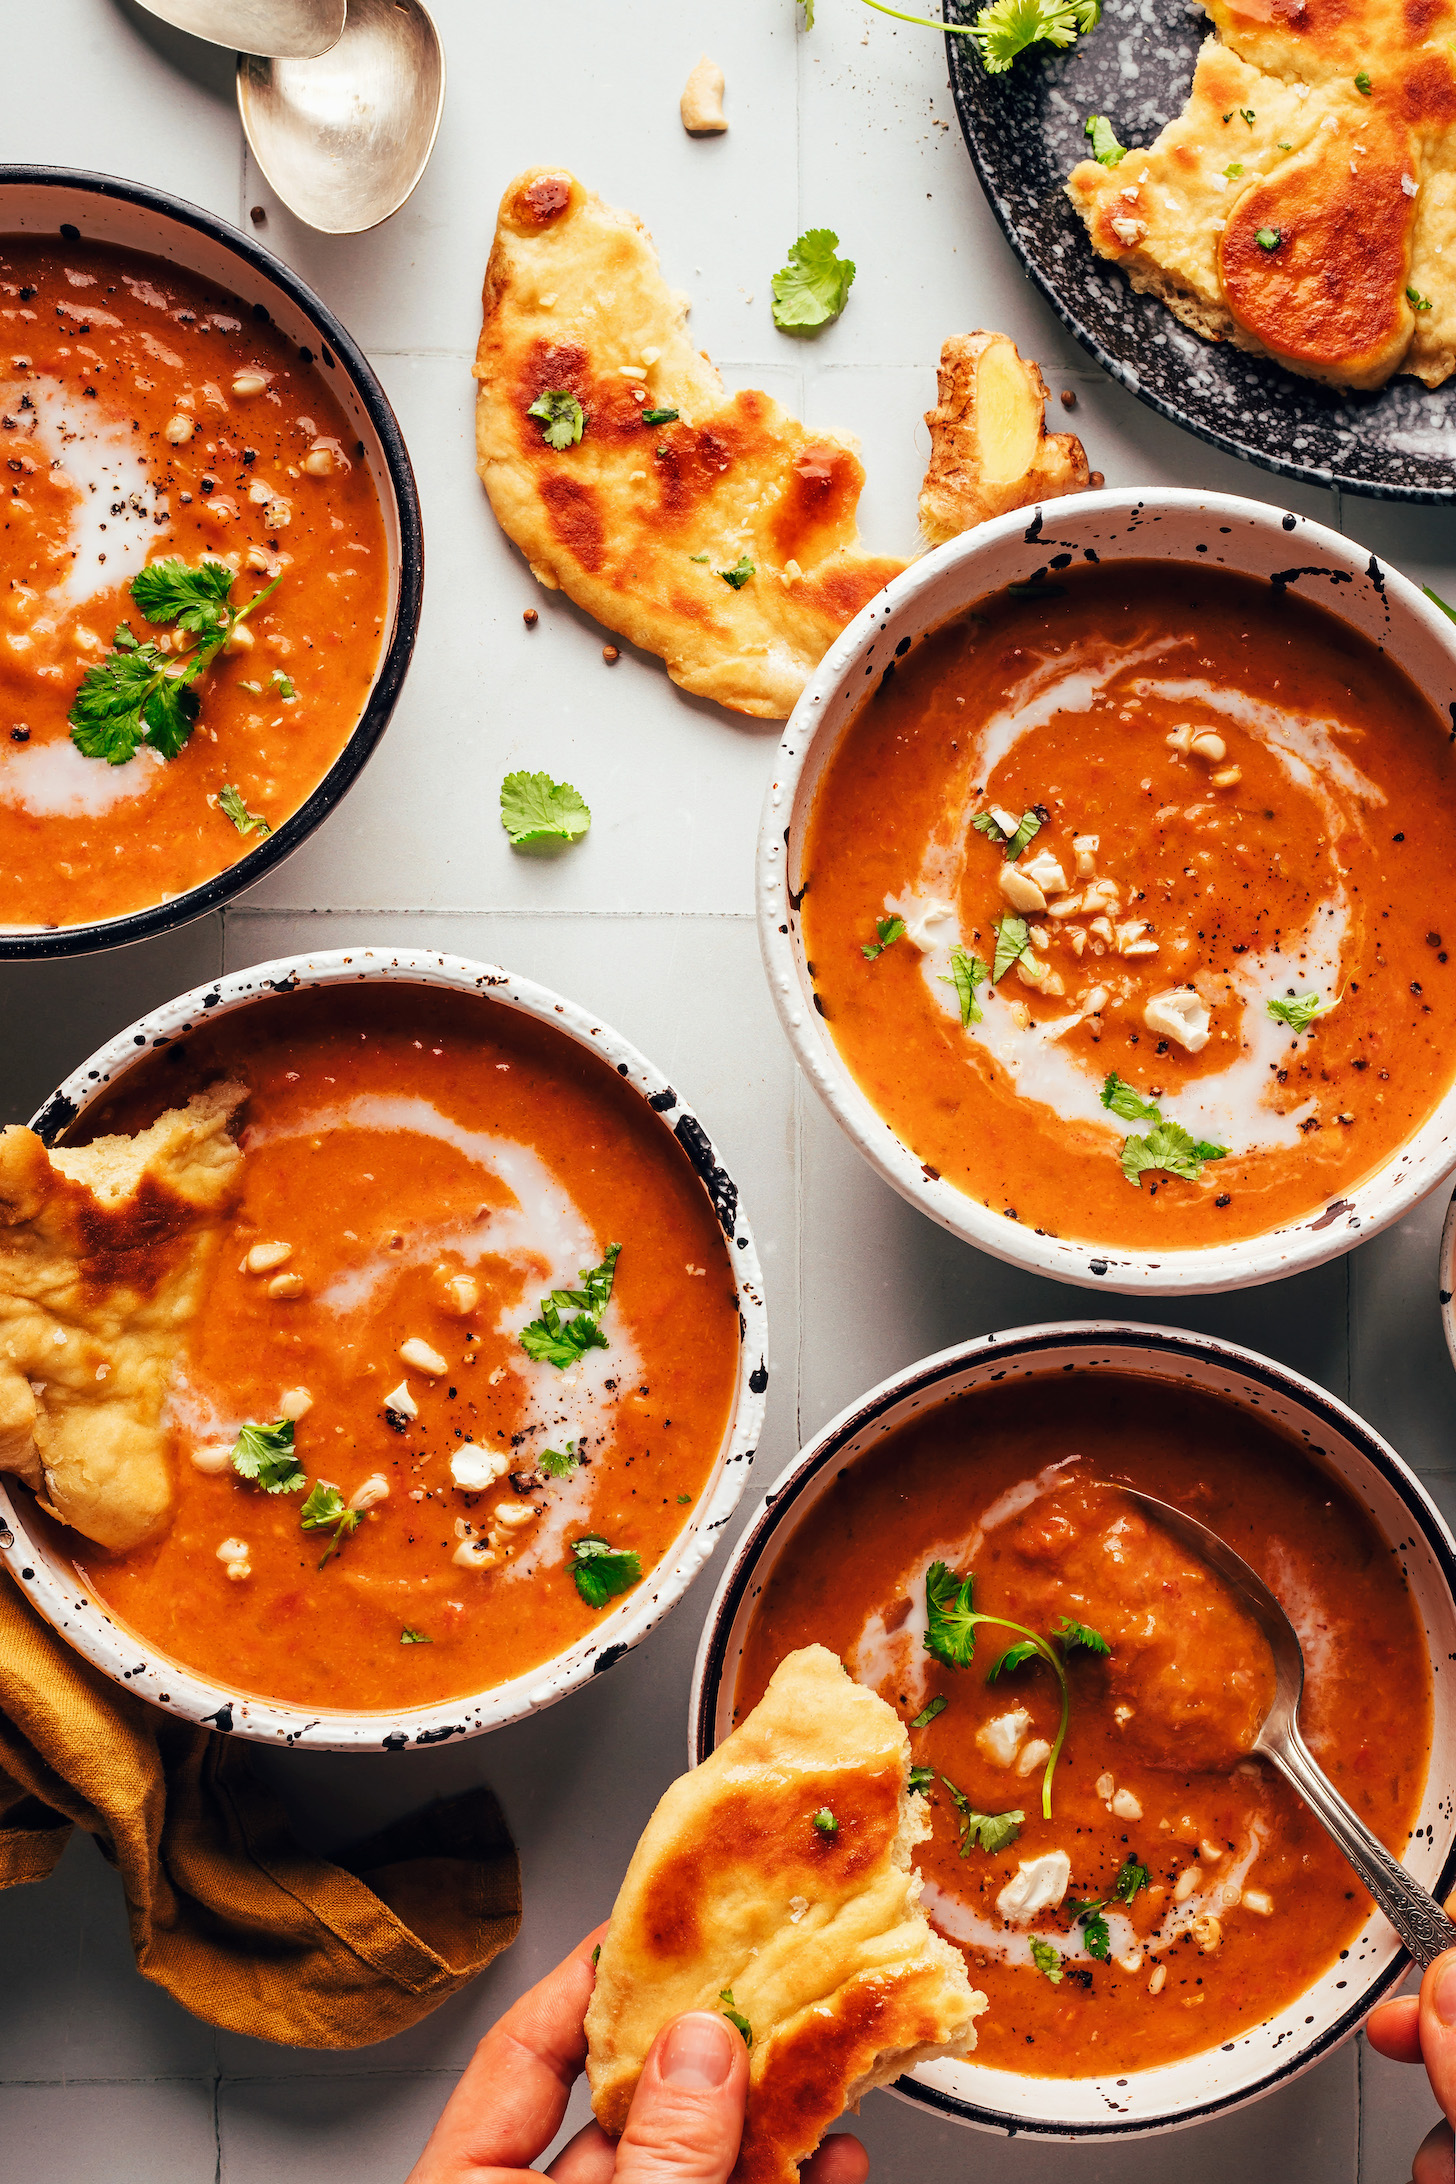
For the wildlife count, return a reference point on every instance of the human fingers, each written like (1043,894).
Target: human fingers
(1434,2162)
(840,2160)
(512,2097)
(589,2158)
(1438,2030)
(1394,2028)
(686,2116)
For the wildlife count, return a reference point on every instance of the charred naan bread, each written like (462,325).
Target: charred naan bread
(104,1249)
(1303,203)
(816,1933)
(722,536)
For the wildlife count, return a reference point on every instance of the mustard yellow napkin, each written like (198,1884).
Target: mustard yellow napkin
(228,1912)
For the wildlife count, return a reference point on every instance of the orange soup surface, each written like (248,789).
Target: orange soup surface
(146,415)
(1179,1893)
(1128,902)
(422,1169)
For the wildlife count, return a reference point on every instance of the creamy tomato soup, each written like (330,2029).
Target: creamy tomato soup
(1128,901)
(1178,1892)
(147,416)
(422,1170)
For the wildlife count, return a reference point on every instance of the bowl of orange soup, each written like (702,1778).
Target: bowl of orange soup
(1104,892)
(1163,1932)
(214,553)
(441,1406)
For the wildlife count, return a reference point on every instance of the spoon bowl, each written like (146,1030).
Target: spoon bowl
(1416,1916)
(344,138)
(288,29)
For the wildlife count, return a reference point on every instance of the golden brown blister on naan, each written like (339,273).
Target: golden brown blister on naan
(636,522)
(104,1251)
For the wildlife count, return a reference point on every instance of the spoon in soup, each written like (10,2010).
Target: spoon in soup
(1416,1916)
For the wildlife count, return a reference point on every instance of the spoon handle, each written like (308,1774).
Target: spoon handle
(1415,1914)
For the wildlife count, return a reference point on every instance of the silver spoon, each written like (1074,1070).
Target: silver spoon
(344,139)
(290,29)
(1416,1916)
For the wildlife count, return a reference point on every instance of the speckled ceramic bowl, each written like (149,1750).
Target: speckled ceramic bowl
(1145,2101)
(1162,524)
(50,1580)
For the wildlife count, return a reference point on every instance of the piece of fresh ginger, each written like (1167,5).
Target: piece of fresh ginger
(989,446)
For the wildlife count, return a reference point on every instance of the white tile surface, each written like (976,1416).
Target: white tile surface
(649,920)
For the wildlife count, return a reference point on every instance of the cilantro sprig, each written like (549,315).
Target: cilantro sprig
(326,1510)
(987,1831)
(230,803)
(887,932)
(139,694)
(1087,1913)
(556,1340)
(561,417)
(1030,823)
(536,809)
(1130,1879)
(967,972)
(1168,1147)
(265,1455)
(1010,26)
(1012,942)
(951,1621)
(1299,1014)
(743,568)
(814,286)
(601,1570)
(559,1463)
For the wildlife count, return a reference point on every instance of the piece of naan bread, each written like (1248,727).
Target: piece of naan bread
(104,1252)
(638,522)
(818,1936)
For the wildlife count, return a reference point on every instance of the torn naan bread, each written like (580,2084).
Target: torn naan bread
(815,1932)
(104,1251)
(723,538)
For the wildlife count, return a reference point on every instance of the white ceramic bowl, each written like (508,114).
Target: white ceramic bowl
(1160,524)
(100,208)
(51,1582)
(1138,2102)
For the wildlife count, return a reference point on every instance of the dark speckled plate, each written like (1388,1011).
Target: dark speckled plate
(1025,135)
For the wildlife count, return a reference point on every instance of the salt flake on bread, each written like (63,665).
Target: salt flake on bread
(779,1871)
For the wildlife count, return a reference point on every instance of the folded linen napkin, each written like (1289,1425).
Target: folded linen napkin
(228,1912)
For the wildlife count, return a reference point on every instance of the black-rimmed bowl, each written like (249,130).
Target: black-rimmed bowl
(1137,2103)
(102,208)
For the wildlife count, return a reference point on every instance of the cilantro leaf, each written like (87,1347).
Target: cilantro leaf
(740,572)
(1267,238)
(559,1464)
(1070,1635)
(1030,824)
(601,1571)
(1012,942)
(283,684)
(1168,1146)
(1046,1959)
(966,973)
(660,416)
(1131,1878)
(987,1831)
(950,1632)
(1017,1656)
(230,804)
(106,714)
(825,1821)
(595,1293)
(1233,171)
(408,1637)
(1416,300)
(887,932)
(561,1342)
(987,823)
(561,415)
(534,808)
(1300,1014)
(1094,1926)
(734,2016)
(265,1454)
(196,599)
(1105,148)
(327,1507)
(1246,113)
(1362,83)
(808,7)
(1123,1101)
(1009,27)
(928,1713)
(813,287)
(922,1779)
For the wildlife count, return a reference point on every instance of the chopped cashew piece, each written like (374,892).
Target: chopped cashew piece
(1181,738)
(400,1403)
(1006,820)
(294,1403)
(513,1514)
(701,104)
(246,383)
(1229,778)
(368,1496)
(1001,1739)
(213,1457)
(1187,1881)
(1209,1852)
(1126,1806)
(1019,889)
(1039,1884)
(474,1554)
(1033,1755)
(1065,906)
(423,1358)
(1208,1933)
(1180,1014)
(1084,849)
(233,1555)
(1132,939)
(264,1257)
(1122,1715)
(462,1292)
(287,1288)
(1101,895)
(1133,1963)
(473,1469)
(1039,975)
(179,429)
(1045,870)
(989,447)
(1207,745)
(1254,1899)
(1159,1980)
(1105,1785)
